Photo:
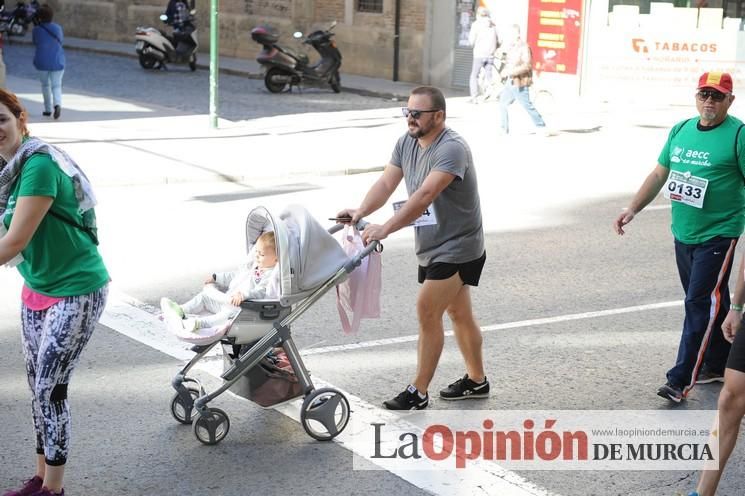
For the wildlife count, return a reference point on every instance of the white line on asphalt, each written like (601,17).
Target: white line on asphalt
(497,327)
(654,207)
(131,318)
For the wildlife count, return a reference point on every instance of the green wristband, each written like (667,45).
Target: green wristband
(735,307)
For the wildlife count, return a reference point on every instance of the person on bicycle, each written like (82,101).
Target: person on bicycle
(484,40)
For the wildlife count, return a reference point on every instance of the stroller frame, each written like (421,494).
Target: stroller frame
(324,413)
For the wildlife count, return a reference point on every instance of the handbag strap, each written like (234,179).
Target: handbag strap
(51,34)
(89,231)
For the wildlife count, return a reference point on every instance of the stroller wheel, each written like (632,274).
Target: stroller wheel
(212,426)
(324,414)
(182,412)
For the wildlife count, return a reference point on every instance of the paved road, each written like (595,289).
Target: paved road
(574,266)
(547,210)
(178,88)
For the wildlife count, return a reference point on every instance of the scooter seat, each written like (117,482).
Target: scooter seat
(300,57)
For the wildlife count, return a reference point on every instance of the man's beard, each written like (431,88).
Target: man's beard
(709,115)
(418,132)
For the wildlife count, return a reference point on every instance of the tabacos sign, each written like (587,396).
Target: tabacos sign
(671,46)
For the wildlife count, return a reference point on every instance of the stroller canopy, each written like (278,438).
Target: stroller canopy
(307,254)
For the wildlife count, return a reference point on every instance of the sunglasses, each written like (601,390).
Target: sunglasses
(416,114)
(717,96)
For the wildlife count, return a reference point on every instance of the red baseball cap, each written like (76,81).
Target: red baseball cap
(720,81)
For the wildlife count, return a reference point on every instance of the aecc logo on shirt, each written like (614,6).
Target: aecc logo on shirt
(692,157)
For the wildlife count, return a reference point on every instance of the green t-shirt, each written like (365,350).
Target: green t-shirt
(60,260)
(710,155)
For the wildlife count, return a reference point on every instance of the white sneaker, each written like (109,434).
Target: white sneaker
(170,316)
(167,303)
(190,324)
(546,132)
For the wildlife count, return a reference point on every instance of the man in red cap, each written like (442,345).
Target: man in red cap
(701,170)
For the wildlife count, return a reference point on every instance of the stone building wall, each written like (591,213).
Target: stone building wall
(365,39)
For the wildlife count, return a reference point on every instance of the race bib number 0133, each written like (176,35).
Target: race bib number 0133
(685,188)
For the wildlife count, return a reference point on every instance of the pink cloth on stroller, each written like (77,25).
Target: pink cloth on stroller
(358,297)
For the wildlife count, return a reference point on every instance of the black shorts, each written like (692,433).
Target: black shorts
(736,358)
(470,272)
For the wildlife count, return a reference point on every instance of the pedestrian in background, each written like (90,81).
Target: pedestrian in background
(700,169)
(518,74)
(484,40)
(437,167)
(49,60)
(47,229)
(732,398)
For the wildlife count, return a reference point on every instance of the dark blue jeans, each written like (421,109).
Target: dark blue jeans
(704,271)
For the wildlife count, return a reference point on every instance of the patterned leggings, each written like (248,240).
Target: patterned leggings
(52,342)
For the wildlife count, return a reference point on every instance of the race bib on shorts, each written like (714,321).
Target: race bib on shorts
(428,218)
(685,188)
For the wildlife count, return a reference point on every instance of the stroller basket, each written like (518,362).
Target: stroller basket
(271,382)
(261,361)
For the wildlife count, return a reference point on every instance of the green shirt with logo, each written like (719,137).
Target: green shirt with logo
(60,260)
(706,155)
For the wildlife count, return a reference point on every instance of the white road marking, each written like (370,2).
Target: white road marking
(131,318)
(666,206)
(498,327)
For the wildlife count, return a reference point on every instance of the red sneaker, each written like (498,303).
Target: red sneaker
(31,486)
(46,492)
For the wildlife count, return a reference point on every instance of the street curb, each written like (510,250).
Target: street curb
(229,178)
(227,71)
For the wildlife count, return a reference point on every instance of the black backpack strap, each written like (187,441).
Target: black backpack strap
(677,128)
(88,230)
(737,154)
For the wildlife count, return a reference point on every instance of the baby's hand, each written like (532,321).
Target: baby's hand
(237,298)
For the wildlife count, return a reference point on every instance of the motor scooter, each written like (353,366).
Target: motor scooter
(155,48)
(16,22)
(286,67)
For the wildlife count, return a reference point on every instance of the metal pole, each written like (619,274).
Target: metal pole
(396,39)
(214,60)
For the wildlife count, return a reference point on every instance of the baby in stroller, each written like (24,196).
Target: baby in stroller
(223,292)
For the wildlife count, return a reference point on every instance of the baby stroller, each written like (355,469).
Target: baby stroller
(310,263)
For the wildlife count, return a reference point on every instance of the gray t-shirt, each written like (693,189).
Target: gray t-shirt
(458,236)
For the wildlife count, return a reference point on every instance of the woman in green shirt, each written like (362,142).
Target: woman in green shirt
(47,230)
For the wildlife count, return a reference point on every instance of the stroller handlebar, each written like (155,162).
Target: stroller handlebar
(344,221)
(360,226)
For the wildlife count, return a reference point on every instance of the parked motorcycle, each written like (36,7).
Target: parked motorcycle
(155,48)
(285,67)
(16,22)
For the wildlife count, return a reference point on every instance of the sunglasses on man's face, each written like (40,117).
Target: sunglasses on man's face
(416,114)
(704,95)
